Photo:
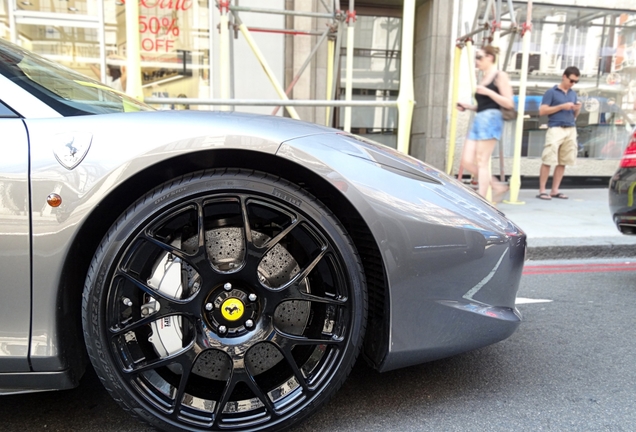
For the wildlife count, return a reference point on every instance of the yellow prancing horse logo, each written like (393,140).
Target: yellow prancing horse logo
(232,309)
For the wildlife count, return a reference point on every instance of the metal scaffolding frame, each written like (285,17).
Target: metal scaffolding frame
(494,32)
(338,18)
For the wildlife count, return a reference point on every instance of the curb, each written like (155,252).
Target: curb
(581,251)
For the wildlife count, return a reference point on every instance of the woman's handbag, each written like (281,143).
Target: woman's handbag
(508,113)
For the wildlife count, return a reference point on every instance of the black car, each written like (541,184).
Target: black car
(621,190)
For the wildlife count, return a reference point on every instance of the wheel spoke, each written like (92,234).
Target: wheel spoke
(286,341)
(224,399)
(286,351)
(165,361)
(168,306)
(186,362)
(240,374)
(246,223)
(168,248)
(174,305)
(274,241)
(199,261)
(294,293)
(160,314)
(259,393)
(308,269)
(201,227)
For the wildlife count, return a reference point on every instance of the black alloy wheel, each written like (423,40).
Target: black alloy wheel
(224,300)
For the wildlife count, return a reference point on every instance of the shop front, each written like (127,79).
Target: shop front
(89,36)
(179,59)
(602,44)
(180,54)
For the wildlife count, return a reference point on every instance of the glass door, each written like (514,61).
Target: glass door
(376,77)
(4,20)
(175,46)
(69,32)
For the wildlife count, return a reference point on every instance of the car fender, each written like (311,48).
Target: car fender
(444,250)
(119,147)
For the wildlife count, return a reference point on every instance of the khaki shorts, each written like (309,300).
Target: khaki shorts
(560,146)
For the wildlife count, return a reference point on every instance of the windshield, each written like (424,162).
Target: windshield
(63,89)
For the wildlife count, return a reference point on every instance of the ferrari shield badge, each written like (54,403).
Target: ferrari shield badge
(70,148)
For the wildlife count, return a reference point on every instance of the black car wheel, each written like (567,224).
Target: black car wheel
(224,300)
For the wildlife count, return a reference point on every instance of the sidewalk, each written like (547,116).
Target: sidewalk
(579,227)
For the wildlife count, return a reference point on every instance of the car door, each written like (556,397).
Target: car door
(15,269)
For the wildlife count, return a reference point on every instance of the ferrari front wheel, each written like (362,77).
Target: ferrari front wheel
(224,300)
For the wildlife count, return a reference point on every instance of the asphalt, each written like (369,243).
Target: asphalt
(578,227)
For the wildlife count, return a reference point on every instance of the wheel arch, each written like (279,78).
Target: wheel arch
(98,222)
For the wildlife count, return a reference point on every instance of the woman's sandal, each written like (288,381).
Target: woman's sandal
(544,196)
(559,196)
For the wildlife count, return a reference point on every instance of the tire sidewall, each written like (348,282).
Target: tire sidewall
(175,193)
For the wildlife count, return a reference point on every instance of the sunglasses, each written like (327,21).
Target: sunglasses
(573,81)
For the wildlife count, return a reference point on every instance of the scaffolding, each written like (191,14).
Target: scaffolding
(334,34)
(492,32)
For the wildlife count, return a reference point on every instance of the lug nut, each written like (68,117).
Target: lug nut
(249,323)
(127,301)
(252,297)
(227,286)
(222,329)
(209,306)
(147,310)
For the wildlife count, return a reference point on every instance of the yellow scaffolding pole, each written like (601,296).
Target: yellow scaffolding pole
(453,119)
(268,71)
(406,98)
(496,36)
(471,68)
(470,57)
(349,75)
(515,176)
(224,59)
(495,42)
(133,51)
(330,54)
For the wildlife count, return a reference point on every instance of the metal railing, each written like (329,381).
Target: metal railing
(272,102)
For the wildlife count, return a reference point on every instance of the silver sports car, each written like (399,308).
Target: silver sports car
(223,271)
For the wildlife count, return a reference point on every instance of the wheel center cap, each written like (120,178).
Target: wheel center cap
(232,309)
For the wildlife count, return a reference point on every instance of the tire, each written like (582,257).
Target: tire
(194,322)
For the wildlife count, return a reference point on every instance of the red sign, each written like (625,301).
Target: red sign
(176,5)
(158,34)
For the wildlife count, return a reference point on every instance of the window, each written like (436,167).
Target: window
(6,112)
(601,43)
(376,76)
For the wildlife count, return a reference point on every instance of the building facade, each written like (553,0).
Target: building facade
(180,59)
(601,43)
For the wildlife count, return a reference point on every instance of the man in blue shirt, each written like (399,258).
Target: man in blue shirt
(562,107)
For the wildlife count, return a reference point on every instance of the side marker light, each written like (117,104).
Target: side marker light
(54,200)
